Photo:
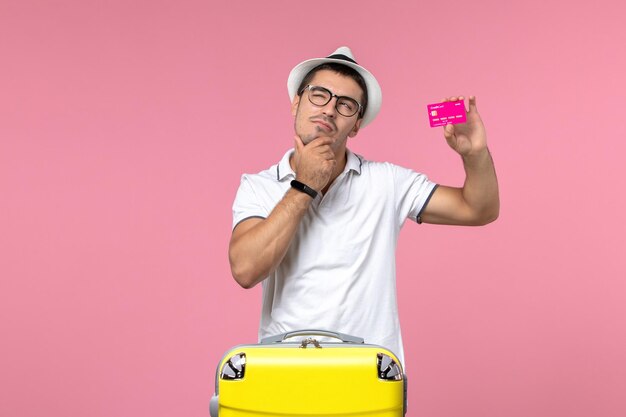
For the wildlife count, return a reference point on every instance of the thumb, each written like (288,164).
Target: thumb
(472,103)
(448,131)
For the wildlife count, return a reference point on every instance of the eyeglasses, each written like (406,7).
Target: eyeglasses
(320,96)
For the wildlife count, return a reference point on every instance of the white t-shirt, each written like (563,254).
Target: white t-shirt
(339,273)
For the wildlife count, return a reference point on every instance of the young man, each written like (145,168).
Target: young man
(319,228)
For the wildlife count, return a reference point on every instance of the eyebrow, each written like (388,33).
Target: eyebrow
(339,96)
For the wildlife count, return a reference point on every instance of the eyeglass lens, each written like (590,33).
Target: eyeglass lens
(320,96)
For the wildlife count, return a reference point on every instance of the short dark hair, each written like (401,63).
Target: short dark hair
(339,69)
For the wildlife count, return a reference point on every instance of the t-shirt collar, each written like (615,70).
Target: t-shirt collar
(284,171)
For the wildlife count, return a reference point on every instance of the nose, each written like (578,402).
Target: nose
(329,109)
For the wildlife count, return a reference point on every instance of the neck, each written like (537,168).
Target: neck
(341,156)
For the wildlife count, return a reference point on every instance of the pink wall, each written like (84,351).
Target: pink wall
(125,126)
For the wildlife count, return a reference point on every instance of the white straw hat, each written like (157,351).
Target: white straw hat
(343,55)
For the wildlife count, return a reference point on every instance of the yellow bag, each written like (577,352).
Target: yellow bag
(309,377)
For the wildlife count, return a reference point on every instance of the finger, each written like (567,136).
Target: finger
(321,141)
(325,151)
(459,98)
(329,154)
(472,103)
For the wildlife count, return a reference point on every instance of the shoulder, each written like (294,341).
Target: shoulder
(378,168)
(391,175)
(264,183)
(269,174)
(276,173)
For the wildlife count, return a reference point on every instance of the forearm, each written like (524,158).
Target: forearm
(480,190)
(256,251)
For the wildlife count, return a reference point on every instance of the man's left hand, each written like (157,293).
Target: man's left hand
(469,138)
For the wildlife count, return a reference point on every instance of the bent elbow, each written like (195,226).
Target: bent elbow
(245,279)
(245,273)
(489,217)
(240,269)
(245,284)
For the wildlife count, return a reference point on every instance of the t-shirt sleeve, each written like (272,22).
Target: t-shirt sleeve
(412,191)
(247,204)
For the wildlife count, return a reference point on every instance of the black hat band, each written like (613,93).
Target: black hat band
(342,57)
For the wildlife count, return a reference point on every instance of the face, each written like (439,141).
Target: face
(313,121)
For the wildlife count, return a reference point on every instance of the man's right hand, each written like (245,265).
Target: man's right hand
(314,162)
(257,246)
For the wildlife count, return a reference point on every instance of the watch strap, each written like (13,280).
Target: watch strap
(304,188)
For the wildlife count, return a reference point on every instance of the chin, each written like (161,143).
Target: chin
(307,137)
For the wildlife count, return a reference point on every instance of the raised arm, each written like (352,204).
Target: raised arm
(477,202)
(257,246)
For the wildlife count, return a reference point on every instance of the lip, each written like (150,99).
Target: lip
(325,125)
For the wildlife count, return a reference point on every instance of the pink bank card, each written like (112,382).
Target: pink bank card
(440,114)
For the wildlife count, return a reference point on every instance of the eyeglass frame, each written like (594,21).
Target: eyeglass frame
(309,86)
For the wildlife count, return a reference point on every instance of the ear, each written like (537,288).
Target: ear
(294,105)
(356,128)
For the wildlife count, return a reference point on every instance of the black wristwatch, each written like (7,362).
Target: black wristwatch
(304,188)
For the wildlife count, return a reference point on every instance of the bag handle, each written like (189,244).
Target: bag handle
(346,338)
